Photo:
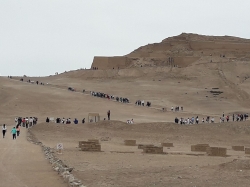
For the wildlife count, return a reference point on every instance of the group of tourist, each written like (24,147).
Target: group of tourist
(193,120)
(33,82)
(65,121)
(108,96)
(235,117)
(15,131)
(26,122)
(142,103)
(130,121)
(19,121)
(177,108)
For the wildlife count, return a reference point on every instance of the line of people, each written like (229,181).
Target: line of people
(193,120)
(26,122)
(108,96)
(64,121)
(142,103)
(177,108)
(235,117)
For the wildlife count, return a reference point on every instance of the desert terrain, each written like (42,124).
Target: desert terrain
(206,75)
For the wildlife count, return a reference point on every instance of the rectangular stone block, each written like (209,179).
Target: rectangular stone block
(153,150)
(217,151)
(91,145)
(130,142)
(238,148)
(199,147)
(247,150)
(167,144)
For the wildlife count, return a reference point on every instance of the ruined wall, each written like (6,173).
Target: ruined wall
(185,61)
(103,63)
(205,45)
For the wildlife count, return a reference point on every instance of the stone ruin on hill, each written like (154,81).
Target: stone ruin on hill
(178,51)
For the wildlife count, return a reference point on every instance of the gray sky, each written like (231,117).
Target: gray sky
(41,37)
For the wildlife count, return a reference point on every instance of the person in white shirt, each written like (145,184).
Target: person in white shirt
(30,122)
(4,130)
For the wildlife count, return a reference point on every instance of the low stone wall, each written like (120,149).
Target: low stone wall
(216,151)
(153,150)
(199,147)
(167,144)
(238,148)
(90,145)
(130,142)
(62,169)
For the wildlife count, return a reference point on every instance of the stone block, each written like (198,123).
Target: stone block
(153,150)
(167,144)
(216,151)
(238,148)
(130,142)
(247,150)
(199,147)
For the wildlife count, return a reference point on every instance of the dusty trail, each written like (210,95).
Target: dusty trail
(22,164)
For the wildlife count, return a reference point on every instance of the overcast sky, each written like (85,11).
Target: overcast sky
(41,37)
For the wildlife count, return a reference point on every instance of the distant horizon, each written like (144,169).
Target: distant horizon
(39,38)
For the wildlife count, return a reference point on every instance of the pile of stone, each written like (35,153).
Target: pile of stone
(61,168)
(92,145)
(153,150)
(57,164)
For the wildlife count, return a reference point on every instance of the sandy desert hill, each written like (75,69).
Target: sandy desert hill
(206,75)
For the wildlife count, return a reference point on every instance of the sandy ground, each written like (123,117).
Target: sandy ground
(120,165)
(164,87)
(22,164)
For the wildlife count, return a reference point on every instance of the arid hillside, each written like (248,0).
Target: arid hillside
(211,79)
(207,76)
(182,51)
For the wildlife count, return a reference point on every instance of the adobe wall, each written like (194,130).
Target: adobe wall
(185,61)
(202,45)
(103,63)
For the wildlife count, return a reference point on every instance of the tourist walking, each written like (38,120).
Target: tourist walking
(4,130)
(13,132)
(18,130)
(108,113)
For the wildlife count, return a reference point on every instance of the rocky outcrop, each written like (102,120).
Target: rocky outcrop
(58,166)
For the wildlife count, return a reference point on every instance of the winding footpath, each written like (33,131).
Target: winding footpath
(22,164)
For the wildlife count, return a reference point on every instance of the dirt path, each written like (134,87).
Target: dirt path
(22,164)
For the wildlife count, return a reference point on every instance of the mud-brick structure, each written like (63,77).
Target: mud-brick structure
(217,151)
(153,150)
(92,146)
(93,117)
(199,147)
(130,142)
